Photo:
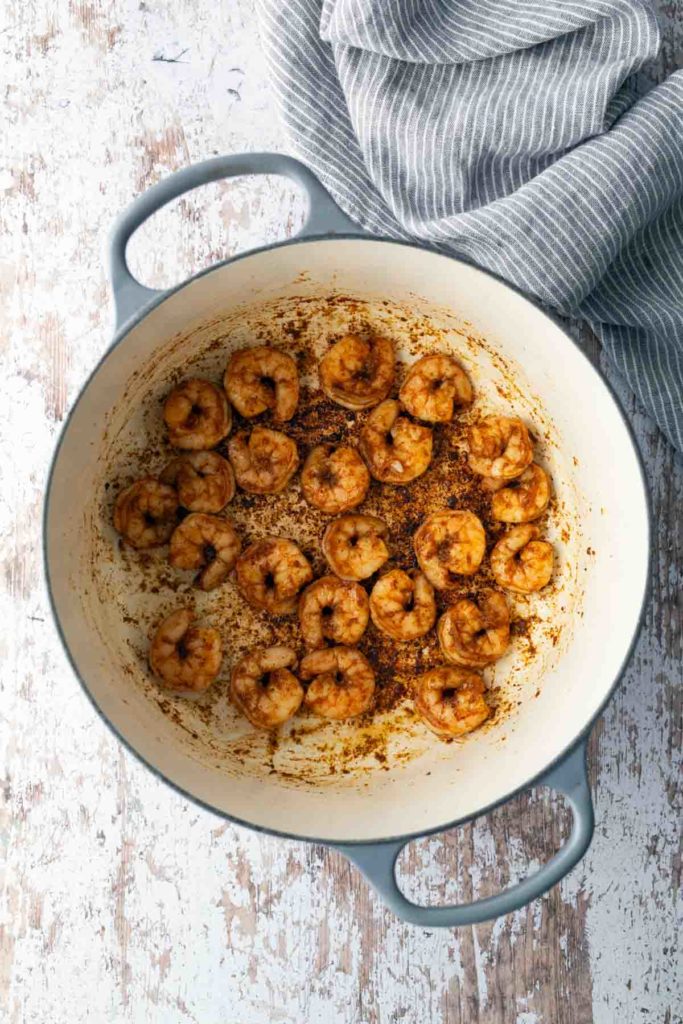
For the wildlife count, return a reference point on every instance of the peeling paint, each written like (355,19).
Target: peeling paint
(122,902)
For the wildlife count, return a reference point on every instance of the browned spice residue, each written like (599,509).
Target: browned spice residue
(448,483)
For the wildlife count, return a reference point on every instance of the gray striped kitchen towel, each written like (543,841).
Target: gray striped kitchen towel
(508,132)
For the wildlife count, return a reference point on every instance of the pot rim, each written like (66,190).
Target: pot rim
(120,335)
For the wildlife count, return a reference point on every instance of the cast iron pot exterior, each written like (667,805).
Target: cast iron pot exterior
(565,773)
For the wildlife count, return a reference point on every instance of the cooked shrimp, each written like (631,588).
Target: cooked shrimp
(271,574)
(343,682)
(264,461)
(197,415)
(396,449)
(451,701)
(334,478)
(358,372)
(433,386)
(477,632)
(520,561)
(333,609)
(402,604)
(265,689)
(262,378)
(523,499)
(355,546)
(185,658)
(500,447)
(145,513)
(204,481)
(449,544)
(207,543)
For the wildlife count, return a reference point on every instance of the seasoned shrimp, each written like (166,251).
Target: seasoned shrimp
(334,478)
(449,544)
(262,378)
(433,386)
(197,415)
(145,513)
(265,689)
(184,657)
(520,561)
(451,701)
(333,609)
(355,546)
(500,447)
(523,499)
(264,461)
(271,574)
(402,604)
(396,449)
(207,543)
(204,481)
(343,682)
(358,372)
(476,633)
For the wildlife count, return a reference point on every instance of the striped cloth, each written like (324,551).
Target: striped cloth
(510,133)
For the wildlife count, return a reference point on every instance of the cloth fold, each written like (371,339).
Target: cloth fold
(510,133)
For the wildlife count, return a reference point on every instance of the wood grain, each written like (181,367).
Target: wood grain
(123,902)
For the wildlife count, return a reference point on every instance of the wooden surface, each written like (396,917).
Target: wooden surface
(122,902)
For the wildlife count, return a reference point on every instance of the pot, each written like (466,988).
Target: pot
(544,741)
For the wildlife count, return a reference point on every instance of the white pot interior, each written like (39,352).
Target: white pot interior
(600,532)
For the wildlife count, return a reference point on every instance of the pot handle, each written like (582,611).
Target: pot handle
(323,217)
(377,861)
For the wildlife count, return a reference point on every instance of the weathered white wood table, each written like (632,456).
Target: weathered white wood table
(122,902)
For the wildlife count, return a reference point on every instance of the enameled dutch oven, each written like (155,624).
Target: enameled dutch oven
(545,745)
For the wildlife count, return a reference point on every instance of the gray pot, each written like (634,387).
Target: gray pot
(596,466)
